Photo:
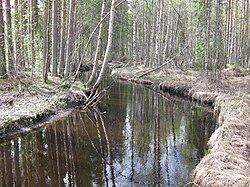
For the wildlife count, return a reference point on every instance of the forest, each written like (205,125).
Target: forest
(54,59)
(56,36)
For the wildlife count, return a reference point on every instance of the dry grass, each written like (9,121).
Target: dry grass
(228,164)
(222,169)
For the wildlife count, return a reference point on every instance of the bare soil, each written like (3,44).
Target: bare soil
(228,161)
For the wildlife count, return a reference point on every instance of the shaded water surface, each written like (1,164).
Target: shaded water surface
(142,139)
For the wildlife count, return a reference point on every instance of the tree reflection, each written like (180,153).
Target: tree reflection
(107,161)
(143,139)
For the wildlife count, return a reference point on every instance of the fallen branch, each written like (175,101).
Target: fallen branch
(164,64)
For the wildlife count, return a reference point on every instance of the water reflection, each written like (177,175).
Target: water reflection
(141,140)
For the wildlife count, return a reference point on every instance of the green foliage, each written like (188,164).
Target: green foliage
(79,85)
(199,52)
(198,23)
(232,66)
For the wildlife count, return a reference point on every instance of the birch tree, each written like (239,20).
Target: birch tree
(109,43)
(135,47)
(20,35)
(69,43)
(158,40)
(63,37)
(148,34)
(98,47)
(228,31)
(54,54)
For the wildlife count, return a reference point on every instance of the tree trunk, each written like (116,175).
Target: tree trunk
(98,48)
(10,51)
(167,35)
(54,36)
(235,43)
(134,37)
(247,40)
(21,61)
(46,40)
(158,40)
(17,34)
(109,45)
(148,36)
(244,36)
(217,39)
(122,30)
(3,71)
(153,32)
(70,38)
(207,34)
(228,31)
(63,38)
(31,34)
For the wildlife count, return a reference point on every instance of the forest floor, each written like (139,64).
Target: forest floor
(228,161)
(26,102)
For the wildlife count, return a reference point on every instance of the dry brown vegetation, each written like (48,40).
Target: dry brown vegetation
(25,101)
(228,161)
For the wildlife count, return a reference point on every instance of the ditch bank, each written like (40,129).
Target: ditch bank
(27,102)
(228,160)
(30,112)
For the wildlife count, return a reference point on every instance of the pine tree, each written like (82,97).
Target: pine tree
(3,71)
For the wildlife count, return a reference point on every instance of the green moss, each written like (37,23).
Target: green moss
(161,78)
(232,66)
(245,71)
(79,85)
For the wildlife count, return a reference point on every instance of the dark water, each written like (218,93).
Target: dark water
(142,139)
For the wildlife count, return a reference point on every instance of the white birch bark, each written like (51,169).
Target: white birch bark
(69,39)
(158,36)
(109,45)
(54,36)
(98,46)
(62,38)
